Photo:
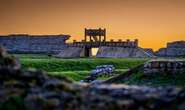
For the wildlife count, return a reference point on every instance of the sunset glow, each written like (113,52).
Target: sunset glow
(153,22)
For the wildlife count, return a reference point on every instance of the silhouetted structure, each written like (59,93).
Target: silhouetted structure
(173,49)
(54,44)
(95,35)
(95,38)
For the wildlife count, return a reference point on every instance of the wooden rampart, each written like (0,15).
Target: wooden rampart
(119,43)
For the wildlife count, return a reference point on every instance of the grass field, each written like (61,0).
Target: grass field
(78,69)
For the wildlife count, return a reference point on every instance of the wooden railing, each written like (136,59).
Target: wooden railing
(98,44)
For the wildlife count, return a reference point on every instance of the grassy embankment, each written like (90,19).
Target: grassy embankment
(158,80)
(76,69)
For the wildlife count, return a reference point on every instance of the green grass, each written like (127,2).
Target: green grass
(157,80)
(76,69)
(55,64)
(115,73)
(73,75)
(79,75)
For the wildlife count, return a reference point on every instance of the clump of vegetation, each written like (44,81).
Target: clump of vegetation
(157,80)
(13,103)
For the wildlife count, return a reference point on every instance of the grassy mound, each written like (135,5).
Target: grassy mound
(54,64)
(157,80)
(76,69)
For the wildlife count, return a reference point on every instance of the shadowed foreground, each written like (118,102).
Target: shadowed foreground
(35,90)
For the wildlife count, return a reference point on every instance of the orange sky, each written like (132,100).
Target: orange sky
(153,22)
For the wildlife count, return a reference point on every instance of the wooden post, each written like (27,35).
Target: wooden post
(136,42)
(90,39)
(99,35)
(85,35)
(104,35)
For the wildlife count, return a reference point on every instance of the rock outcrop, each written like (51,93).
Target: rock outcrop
(164,66)
(121,52)
(101,70)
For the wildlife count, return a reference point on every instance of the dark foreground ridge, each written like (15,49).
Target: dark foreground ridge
(35,90)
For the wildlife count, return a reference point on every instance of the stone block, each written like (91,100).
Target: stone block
(164,66)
